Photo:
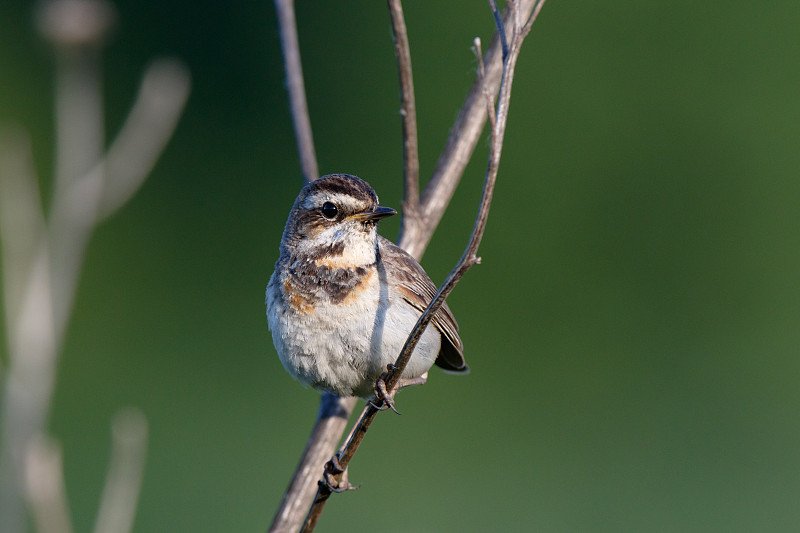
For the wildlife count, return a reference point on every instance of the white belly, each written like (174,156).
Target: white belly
(345,347)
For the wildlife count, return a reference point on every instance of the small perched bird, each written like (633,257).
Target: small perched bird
(343,299)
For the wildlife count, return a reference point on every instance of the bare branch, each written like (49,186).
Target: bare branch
(77,29)
(125,470)
(296,87)
(498,21)
(409,113)
(28,384)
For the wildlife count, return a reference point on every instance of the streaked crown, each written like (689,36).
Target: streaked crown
(326,203)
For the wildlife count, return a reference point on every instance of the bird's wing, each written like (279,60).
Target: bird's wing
(418,290)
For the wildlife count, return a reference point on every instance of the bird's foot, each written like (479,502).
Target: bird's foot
(329,473)
(384,399)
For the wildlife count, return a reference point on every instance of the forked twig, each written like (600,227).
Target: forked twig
(468,259)
(464,135)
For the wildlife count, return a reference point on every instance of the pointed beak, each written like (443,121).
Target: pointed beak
(374,215)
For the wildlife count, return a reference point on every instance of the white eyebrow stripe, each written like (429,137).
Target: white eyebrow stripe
(342,200)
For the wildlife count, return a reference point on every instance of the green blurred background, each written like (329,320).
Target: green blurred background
(633,328)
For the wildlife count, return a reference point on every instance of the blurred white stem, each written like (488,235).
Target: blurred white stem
(44,487)
(28,386)
(125,470)
(22,222)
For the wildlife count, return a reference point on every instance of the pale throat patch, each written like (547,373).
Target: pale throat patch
(358,249)
(358,245)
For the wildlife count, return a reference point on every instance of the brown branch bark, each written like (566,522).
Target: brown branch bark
(468,258)
(408,111)
(287,24)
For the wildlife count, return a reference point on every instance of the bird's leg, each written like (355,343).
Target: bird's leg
(385,399)
(332,469)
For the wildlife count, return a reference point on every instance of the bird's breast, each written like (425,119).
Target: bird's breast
(309,284)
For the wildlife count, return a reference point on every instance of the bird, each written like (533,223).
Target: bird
(343,299)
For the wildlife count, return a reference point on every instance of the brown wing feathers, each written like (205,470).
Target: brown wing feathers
(418,290)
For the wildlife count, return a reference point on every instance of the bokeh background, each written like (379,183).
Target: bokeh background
(633,329)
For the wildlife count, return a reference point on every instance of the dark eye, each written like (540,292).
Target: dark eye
(329,210)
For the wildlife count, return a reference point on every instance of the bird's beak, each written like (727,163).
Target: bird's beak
(374,215)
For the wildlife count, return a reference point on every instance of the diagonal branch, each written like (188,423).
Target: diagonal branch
(296,87)
(409,113)
(468,259)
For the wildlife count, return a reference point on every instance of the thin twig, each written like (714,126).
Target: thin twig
(482,76)
(464,135)
(409,113)
(498,22)
(287,24)
(468,259)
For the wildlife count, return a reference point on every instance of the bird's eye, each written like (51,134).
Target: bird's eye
(329,210)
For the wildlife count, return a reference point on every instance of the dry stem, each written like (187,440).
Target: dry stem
(287,24)
(409,113)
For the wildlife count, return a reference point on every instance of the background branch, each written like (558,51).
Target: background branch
(44,486)
(43,253)
(125,470)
